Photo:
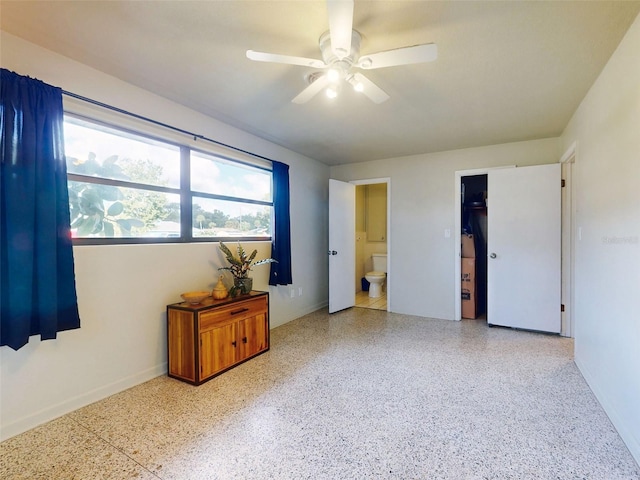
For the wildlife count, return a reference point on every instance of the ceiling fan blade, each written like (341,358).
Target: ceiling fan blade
(370,89)
(340,26)
(400,56)
(287,59)
(313,89)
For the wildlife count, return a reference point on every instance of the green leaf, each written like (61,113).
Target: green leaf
(110,160)
(124,224)
(90,202)
(116,172)
(109,192)
(77,221)
(97,226)
(70,161)
(98,206)
(108,229)
(227,252)
(89,195)
(85,228)
(115,209)
(134,222)
(91,167)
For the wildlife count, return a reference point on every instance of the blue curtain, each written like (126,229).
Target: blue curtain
(281,247)
(38,292)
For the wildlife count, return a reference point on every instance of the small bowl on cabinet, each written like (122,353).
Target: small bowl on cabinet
(194,298)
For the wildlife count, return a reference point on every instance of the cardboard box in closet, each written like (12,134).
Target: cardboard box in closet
(468,246)
(469,300)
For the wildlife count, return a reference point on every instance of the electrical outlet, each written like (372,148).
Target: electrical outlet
(293,293)
(300,291)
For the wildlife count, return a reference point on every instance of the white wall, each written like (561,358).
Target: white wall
(123,290)
(606,128)
(422,207)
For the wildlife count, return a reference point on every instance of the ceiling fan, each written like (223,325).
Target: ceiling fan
(340,48)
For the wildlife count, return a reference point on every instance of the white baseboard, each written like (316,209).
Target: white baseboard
(628,437)
(314,308)
(54,411)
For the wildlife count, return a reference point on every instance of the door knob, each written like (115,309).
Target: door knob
(332,252)
(493,255)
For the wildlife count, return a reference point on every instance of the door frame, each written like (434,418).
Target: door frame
(387,180)
(457,236)
(568,160)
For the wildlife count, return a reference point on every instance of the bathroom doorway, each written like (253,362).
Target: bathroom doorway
(372,244)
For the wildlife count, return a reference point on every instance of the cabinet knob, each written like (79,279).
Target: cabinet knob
(244,340)
(233,343)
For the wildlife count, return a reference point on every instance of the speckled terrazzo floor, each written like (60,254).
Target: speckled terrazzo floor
(354,395)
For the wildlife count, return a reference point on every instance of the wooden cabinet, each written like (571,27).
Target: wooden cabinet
(206,339)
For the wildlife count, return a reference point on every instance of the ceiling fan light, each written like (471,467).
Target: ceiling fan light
(333,75)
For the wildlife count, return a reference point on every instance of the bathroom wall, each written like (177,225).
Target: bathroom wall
(375,210)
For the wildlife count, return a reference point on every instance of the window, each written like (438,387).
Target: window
(126,187)
(229,199)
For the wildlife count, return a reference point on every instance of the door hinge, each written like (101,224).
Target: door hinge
(562,307)
(562,183)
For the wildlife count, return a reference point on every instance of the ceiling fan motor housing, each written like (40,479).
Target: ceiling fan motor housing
(330,58)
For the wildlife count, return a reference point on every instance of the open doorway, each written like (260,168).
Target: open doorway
(458,224)
(474,238)
(372,244)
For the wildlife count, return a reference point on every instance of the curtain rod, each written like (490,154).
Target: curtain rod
(195,136)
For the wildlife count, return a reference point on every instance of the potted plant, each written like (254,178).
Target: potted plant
(240,267)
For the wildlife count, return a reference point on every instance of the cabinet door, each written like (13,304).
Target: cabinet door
(252,335)
(217,349)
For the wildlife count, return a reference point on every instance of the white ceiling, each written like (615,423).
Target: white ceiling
(507,70)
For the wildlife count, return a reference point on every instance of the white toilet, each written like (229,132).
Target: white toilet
(377,277)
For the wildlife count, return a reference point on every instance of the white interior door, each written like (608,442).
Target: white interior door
(524,245)
(342,245)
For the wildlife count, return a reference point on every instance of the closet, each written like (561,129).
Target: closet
(474,235)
